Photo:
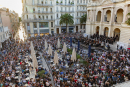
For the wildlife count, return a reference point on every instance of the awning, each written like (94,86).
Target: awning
(44,31)
(128,48)
(71,27)
(63,27)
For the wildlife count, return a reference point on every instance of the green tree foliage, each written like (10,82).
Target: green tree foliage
(20,19)
(128,20)
(83,19)
(66,19)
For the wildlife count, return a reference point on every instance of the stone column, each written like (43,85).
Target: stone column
(60,30)
(38,28)
(125,14)
(31,29)
(67,29)
(112,16)
(55,30)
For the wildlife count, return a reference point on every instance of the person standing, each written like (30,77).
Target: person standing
(117,46)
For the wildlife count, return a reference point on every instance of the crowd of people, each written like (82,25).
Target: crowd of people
(103,68)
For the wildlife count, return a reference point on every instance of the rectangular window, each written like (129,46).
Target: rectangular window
(37,1)
(27,16)
(34,16)
(43,24)
(39,10)
(39,17)
(51,9)
(43,17)
(35,25)
(51,17)
(57,15)
(46,2)
(28,31)
(46,9)
(57,9)
(77,1)
(46,17)
(44,31)
(51,2)
(80,26)
(43,9)
(77,13)
(51,24)
(28,24)
(33,2)
(35,31)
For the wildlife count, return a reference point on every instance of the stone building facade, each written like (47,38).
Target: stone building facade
(43,16)
(107,17)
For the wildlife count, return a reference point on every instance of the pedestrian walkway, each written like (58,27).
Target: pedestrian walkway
(113,46)
(47,68)
(125,84)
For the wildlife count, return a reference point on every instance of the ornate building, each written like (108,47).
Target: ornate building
(107,17)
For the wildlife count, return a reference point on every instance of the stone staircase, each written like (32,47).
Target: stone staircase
(113,46)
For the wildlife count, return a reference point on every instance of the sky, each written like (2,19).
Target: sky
(15,5)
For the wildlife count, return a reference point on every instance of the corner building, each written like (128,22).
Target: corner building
(43,16)
(107,17)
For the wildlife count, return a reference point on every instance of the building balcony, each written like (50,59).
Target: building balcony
(38,20)
(44,12)
(44,5)
(78,17)
(97,22)
(64,4)
(67,11)
(82,4)
(117,23)
(81,10)
(39,12)
(106,22)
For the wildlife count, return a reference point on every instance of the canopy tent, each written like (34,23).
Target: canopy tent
(35,63)
(56,58)
(49,50)
(46,45)
(58,43)
(73,57)
(64,48)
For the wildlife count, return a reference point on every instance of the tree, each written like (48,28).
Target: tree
(66,19)
(20,19)
(128,20)
(83,19)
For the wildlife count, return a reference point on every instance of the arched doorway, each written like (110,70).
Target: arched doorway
(98,16)
(119,15)
(106,30)
(108,16)
(97,30)
(117,33)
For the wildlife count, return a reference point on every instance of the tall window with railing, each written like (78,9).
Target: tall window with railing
(27,16)
(46,2)
(38,10)
(33,2)
(37,1)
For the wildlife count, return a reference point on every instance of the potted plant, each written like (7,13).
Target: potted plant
(72,3)
(57,2)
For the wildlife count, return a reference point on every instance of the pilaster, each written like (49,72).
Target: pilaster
(38,31)
(125,14)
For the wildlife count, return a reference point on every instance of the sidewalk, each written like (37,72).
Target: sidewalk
(47,68)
